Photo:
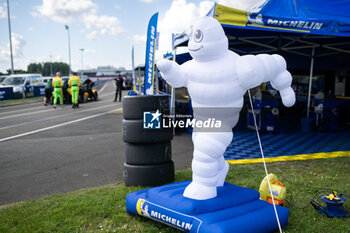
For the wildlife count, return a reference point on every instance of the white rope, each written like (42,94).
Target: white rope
(263,158)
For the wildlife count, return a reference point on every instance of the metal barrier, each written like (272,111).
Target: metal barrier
(39,91)
(6,93)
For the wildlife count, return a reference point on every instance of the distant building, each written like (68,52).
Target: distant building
(105,72)
(108,73)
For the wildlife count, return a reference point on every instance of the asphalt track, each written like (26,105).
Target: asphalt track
(44,151)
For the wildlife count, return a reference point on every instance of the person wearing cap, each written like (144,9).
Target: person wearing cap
(57,91)
(74,83)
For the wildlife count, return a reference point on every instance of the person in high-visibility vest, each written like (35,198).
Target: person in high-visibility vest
(74,83)
(57,91)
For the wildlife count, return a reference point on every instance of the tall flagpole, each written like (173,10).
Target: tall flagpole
(82,61)
(10,37)
(70,67)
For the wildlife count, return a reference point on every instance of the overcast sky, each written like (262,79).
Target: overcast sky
(106,30)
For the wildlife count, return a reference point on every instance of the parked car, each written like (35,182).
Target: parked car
(86,90)
(23,84)
(2,78)
(65,90)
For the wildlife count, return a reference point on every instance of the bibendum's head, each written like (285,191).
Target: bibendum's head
(207,40)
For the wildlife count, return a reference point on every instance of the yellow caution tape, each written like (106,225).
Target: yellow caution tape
(322,155)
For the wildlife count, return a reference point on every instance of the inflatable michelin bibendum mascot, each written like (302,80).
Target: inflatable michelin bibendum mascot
(218,78)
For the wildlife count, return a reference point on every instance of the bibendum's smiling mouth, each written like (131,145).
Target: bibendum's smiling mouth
(193,50)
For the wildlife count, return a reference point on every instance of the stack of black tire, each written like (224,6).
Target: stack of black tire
(147,151)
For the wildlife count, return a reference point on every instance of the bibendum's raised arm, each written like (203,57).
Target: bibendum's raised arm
(172,73)
(253,70)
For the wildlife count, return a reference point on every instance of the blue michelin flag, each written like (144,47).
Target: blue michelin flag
(178,39)
(150,54)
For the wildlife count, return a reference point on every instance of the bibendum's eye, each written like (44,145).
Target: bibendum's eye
(198,36)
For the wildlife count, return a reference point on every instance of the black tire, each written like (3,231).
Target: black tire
(96,96)
(134,106)
(148,175)
(148,154)
(133,132)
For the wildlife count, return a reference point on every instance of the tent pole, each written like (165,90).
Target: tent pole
(139,79)
(310,82)
(157,80)
(172,98)
(172,102)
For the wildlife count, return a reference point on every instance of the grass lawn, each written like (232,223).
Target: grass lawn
(102,209)
(20,101)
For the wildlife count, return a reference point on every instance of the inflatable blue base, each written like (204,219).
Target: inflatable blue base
(235,209)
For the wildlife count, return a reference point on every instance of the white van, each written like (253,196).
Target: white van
(46,79)
(23,83)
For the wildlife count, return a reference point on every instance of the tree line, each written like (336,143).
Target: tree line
(44,69)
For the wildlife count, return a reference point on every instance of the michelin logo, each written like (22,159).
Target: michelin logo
(143,207)
(151,120)
(177,220)
(259,20)
(170,220)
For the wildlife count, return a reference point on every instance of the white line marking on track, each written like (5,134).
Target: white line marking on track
(55,126)
(47,110)
(107,94)
(28,113)
(57,116)
(104,86)
(18,105)
(21,110)
(30,109)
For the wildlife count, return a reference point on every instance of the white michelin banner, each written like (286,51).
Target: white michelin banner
(215,78)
